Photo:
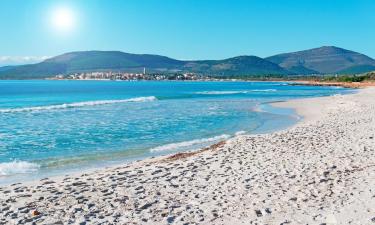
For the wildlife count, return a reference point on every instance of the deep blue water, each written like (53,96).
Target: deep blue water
(48,126)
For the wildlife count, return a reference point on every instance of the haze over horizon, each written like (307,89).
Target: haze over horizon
(211,29)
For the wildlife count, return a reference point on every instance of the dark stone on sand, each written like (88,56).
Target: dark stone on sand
(147,205)
(170,219)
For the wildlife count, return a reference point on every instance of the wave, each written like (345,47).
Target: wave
(17,167)
(263,90)
(78,104)
(233,92)
(185,144)
(220,92)
(241,132)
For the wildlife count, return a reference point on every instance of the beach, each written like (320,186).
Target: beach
(320,171)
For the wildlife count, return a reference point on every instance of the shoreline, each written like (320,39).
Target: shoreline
(303,107)
(184,181)
(354,85)
(30,178)
(77,171)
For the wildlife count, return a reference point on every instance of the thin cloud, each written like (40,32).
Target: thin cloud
(19,60)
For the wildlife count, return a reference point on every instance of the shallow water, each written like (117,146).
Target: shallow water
(57,126)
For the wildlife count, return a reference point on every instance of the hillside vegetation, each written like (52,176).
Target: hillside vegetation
(368,77)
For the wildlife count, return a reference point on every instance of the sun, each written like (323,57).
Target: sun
(63,19)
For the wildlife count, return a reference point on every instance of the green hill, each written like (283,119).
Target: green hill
(112,60)
(324,60)
(4,68)
(240,65)
(34,71)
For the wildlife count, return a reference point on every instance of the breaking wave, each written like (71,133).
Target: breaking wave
(220,92)
(233,92)
(78,104)
(17,167)
(192,143)
(238,133)
(263,90)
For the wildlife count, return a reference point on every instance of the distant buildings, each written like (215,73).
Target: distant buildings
(109,75)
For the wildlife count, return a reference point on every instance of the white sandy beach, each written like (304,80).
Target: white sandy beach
(321,171)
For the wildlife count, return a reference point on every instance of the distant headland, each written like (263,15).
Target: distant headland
(318,61)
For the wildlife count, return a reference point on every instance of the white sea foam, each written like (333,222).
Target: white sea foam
(17,167)
(263,90)
(185,144)
(78,104)
(220,92)
(233,92)
(242,132)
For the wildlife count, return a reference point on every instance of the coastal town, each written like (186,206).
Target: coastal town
(109,75)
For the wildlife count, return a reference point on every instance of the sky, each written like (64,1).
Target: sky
(33,30)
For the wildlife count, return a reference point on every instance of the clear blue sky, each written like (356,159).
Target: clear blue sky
(188,29)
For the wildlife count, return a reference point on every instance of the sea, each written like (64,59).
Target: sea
(51,127)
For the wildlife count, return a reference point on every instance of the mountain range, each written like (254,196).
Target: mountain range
(323,60)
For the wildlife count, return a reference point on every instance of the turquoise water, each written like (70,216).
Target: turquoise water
(51,126)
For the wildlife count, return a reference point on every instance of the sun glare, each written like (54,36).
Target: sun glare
(63,19)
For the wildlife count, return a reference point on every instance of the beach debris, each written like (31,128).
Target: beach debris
(147,205)
(183,155)
(35,213)
(170,219)
(258,213)
(268,210)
